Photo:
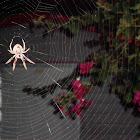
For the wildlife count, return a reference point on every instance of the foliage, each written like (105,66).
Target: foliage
(121,22)
(118,24)
(71,101)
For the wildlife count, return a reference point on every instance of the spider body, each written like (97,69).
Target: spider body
(18,52)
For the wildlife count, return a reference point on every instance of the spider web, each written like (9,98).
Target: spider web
(56,56)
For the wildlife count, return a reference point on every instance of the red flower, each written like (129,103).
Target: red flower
(99,0)
(77,107)
(63,93)
(61,107)
(78,112)
(61,17)
(90,103)
(135,22)
(57,99)
(85,67)
(137,98)
(111,34)
(78,88)
(85,103)
(137,44)
(122,37)
(66,112)
(86,89)
(130,40)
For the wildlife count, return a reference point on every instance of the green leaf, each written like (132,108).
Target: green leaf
(128,98)
(126,7)
(127,33)
(63,102)
(104,78)
(136,87)
(124,22)
(86,83)
(120,88)
(138,77)
(106,6)
(73,27)
(108,16)
(119,30)
(89,18)
(40,19)
(131,57)
(113,67)
(92,70)
(136,7)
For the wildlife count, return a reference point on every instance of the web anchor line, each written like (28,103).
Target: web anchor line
(50,65)
(19,25)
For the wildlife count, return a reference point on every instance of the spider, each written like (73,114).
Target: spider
(18,52)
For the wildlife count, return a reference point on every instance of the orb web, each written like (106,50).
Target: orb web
(56,53)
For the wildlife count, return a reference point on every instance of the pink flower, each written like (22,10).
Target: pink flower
(75,83)
(77,109)
(57,99)
(78,112)
(130,40)
(122,37)
(136,97)
(85,67)
(66,112)
(89,103)
(85,103)
(63,93)
(111,34)
(78,88)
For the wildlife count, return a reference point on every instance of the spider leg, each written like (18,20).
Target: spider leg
(10,59)
(14,64)
(11,45)
(11,51)
(26,50)
(23,44)
(28,59)
(24,64)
